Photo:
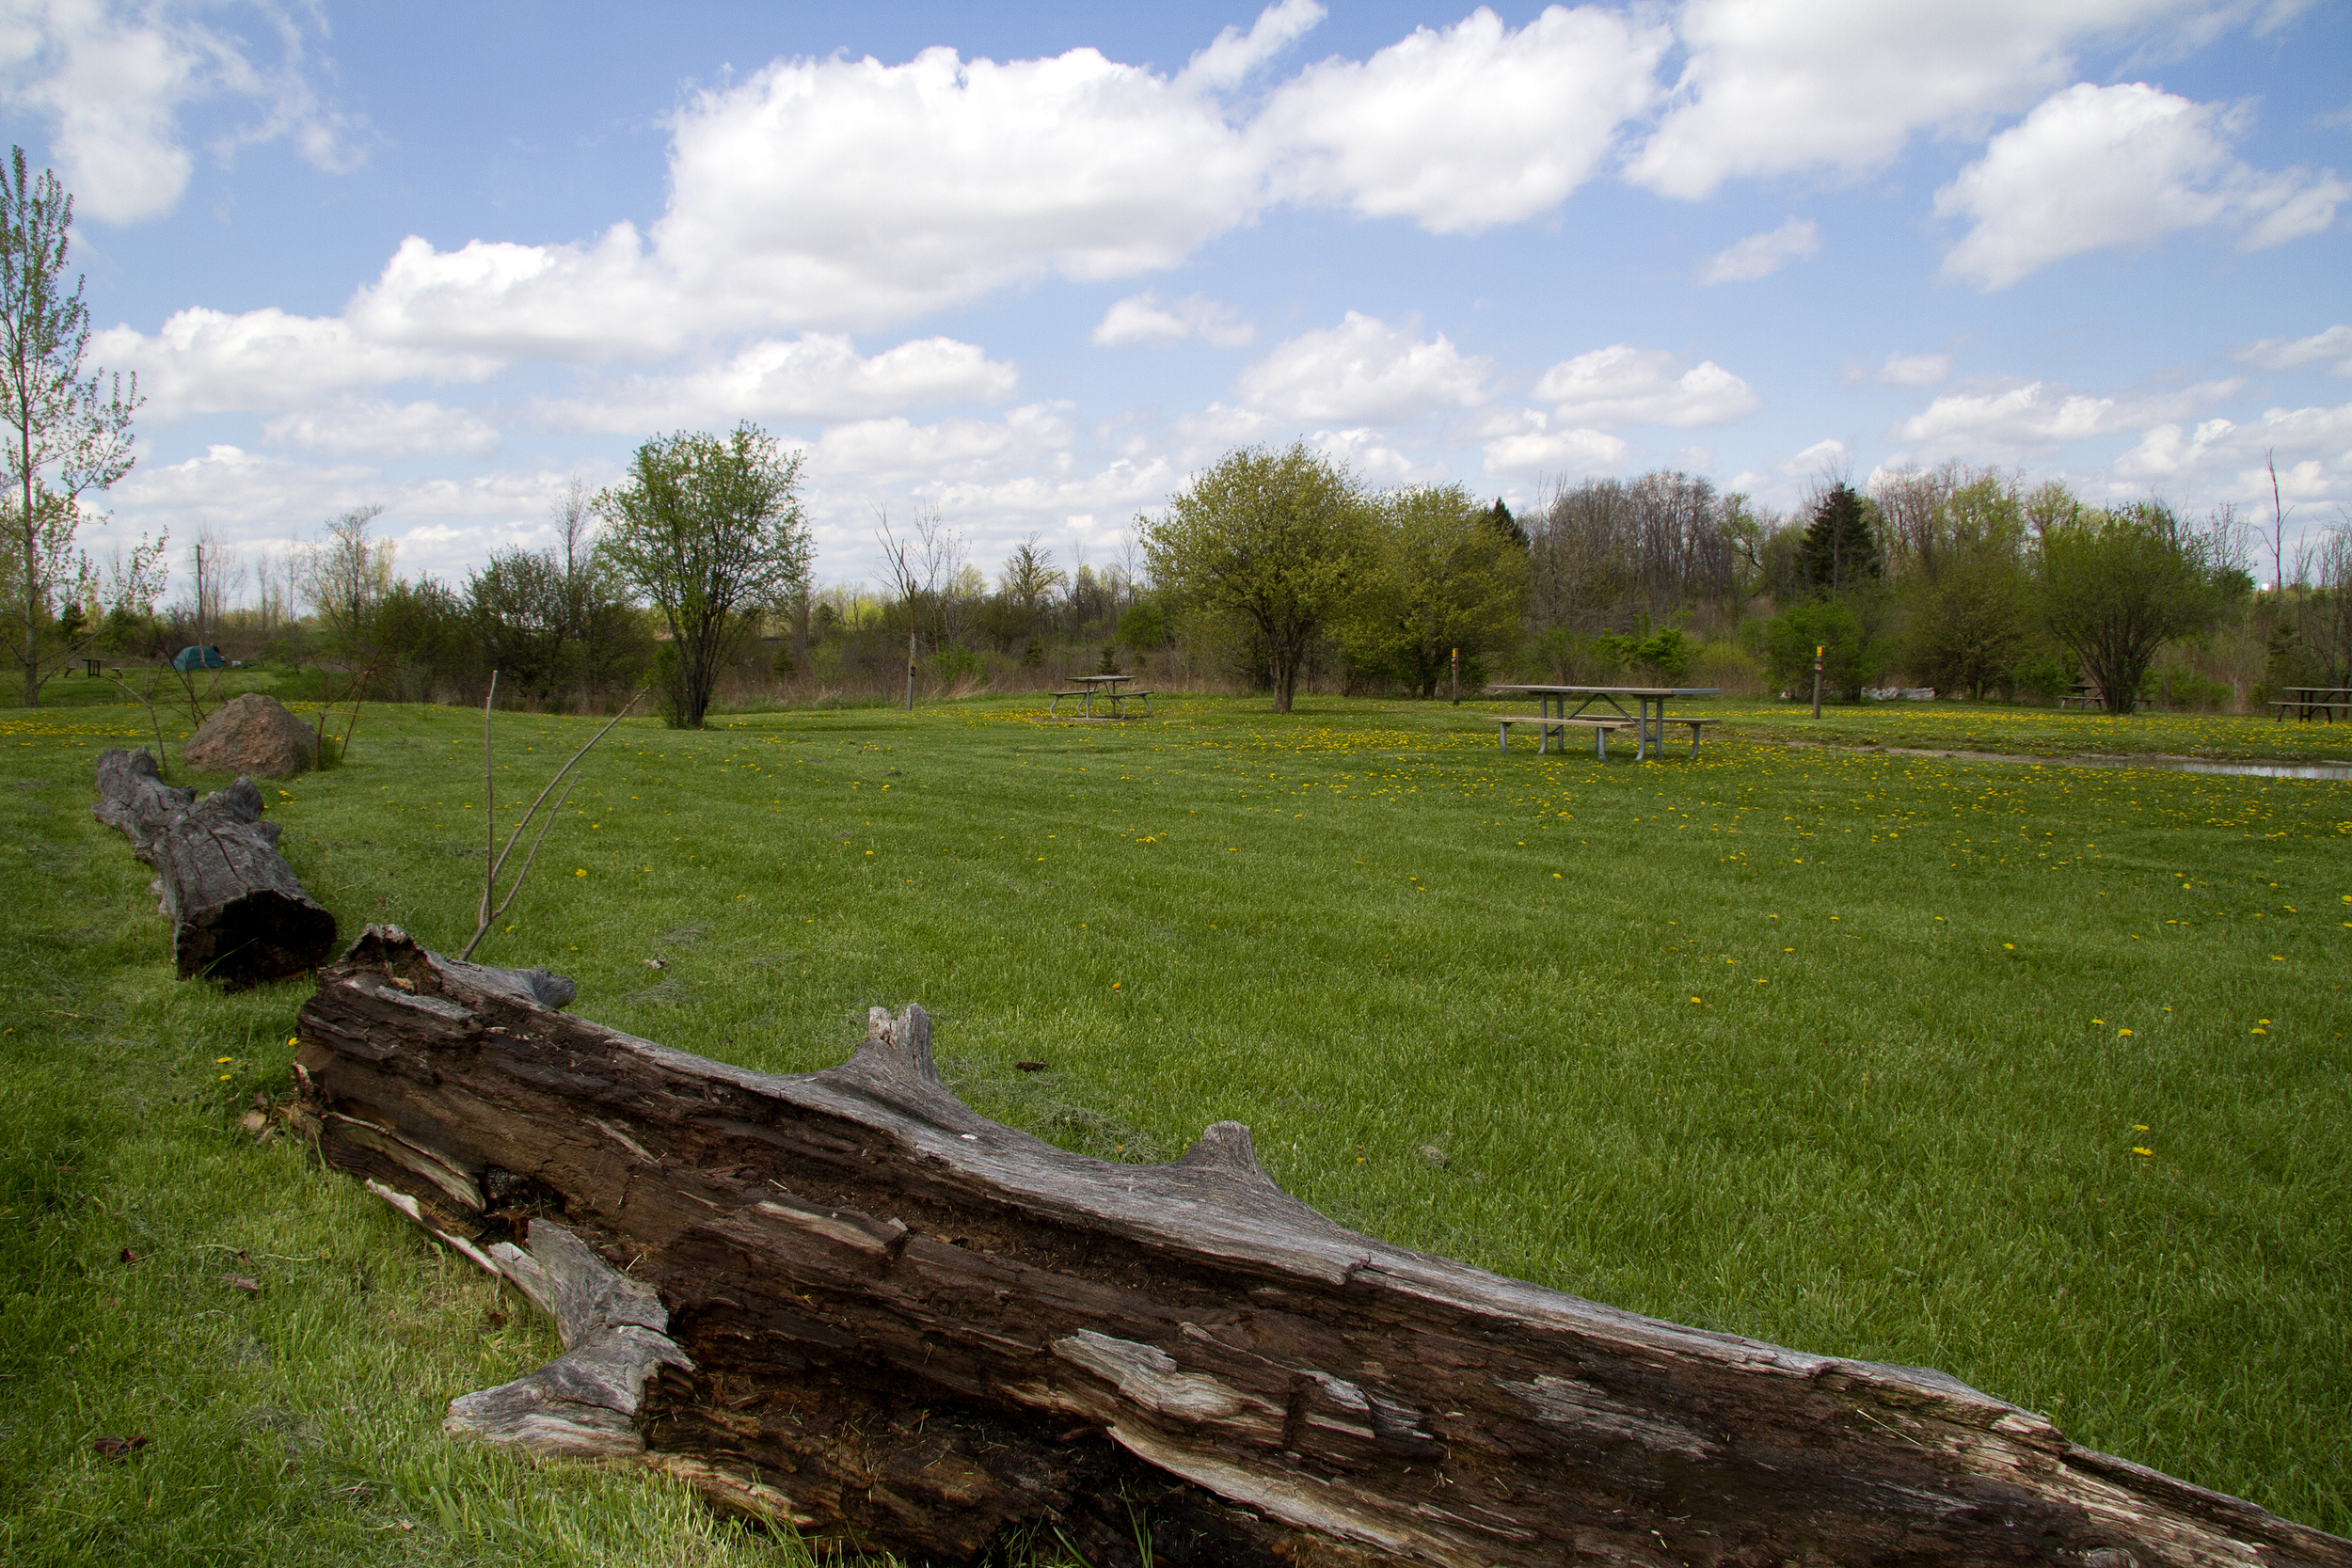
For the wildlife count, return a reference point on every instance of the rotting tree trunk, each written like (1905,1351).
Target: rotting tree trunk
(238,913)
(854,1303)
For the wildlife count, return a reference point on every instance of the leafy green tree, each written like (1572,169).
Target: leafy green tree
(558,619)
(1448,576)
(427,640)
(64,438)
(1970,598)
(1273,544)
(1030,581)
(1508,525)
(1143,626)
(1854,658)
(345,577)
(707,527)
(1970,626)
(2117,586)
(1840,546)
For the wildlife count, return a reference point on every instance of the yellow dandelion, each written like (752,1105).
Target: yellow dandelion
(582,872)
(2136,1149)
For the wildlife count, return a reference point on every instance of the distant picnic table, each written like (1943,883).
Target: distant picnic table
(2087,695)
(2309,700)
(1099,687)
(1649,719)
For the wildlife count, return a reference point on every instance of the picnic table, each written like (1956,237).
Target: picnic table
(1649,719)
(2086,695)
(1104,687)
(2307,700)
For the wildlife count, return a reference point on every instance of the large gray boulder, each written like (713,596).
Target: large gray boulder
(252,734)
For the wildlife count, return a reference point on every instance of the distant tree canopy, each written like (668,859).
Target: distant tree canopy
(708,529)
(1445,576)
(2117,586)
(64,437)
(1275,540)
(1840,546)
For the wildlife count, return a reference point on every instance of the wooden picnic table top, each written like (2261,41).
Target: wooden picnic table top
(1612,691)
(1092,680)
(2319,691)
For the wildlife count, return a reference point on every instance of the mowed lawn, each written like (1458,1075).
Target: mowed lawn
(2033,1073)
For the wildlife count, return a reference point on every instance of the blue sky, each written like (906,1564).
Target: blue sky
(1034,265)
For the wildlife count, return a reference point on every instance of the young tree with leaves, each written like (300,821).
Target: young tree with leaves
(2117,586)
(63,438)
(1449,577)
(709,528)
(1276,540)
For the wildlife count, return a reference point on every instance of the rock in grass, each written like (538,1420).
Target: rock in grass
(254,736)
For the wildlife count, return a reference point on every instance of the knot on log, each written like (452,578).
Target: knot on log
(898,1050)
(1227,1147)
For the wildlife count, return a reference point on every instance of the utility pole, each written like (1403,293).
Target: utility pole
(1818,649)
(1456,663)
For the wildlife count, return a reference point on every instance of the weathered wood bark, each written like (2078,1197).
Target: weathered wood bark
(238,913)
(897,1322)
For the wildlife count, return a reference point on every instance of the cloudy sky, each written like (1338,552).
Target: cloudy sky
(1035,264)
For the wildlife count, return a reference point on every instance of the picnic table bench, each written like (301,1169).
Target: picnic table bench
(1649,721)
(2088,695)
(2307,700)
(1093,687)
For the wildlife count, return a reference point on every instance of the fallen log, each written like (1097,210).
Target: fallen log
(238,913)
(846,1300)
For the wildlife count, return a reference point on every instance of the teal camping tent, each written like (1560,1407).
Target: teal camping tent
(193,657)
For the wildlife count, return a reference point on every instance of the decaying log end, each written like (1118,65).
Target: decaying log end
(844,1300)
(238,913)
(584,1403)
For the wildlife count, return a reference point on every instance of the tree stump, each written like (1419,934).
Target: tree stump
(238,913)
(846,1300)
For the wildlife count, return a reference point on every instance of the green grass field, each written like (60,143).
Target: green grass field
(2033,1073)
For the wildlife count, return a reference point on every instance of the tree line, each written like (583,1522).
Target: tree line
(1274,567)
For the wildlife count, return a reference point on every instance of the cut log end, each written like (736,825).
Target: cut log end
(239,915)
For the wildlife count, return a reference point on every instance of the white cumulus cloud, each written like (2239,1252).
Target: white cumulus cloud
(1907,369)
(2283,353)
(1773,87)
(1624,385)
(116,81)
(896,450)
(2034,416)
(2313,447)
(1540,453)
(203,361)
(2094,166)
(815,376)
(1762,254)
(1466,127)
(380,429)
(1363,371)
(1231,57)
(1144,319)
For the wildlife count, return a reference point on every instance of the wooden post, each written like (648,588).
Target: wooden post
(1818,650)
(909,672)
(1456,664)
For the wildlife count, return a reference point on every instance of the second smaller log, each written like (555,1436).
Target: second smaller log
(238,913)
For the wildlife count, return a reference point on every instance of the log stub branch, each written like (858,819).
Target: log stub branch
(900,1325)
